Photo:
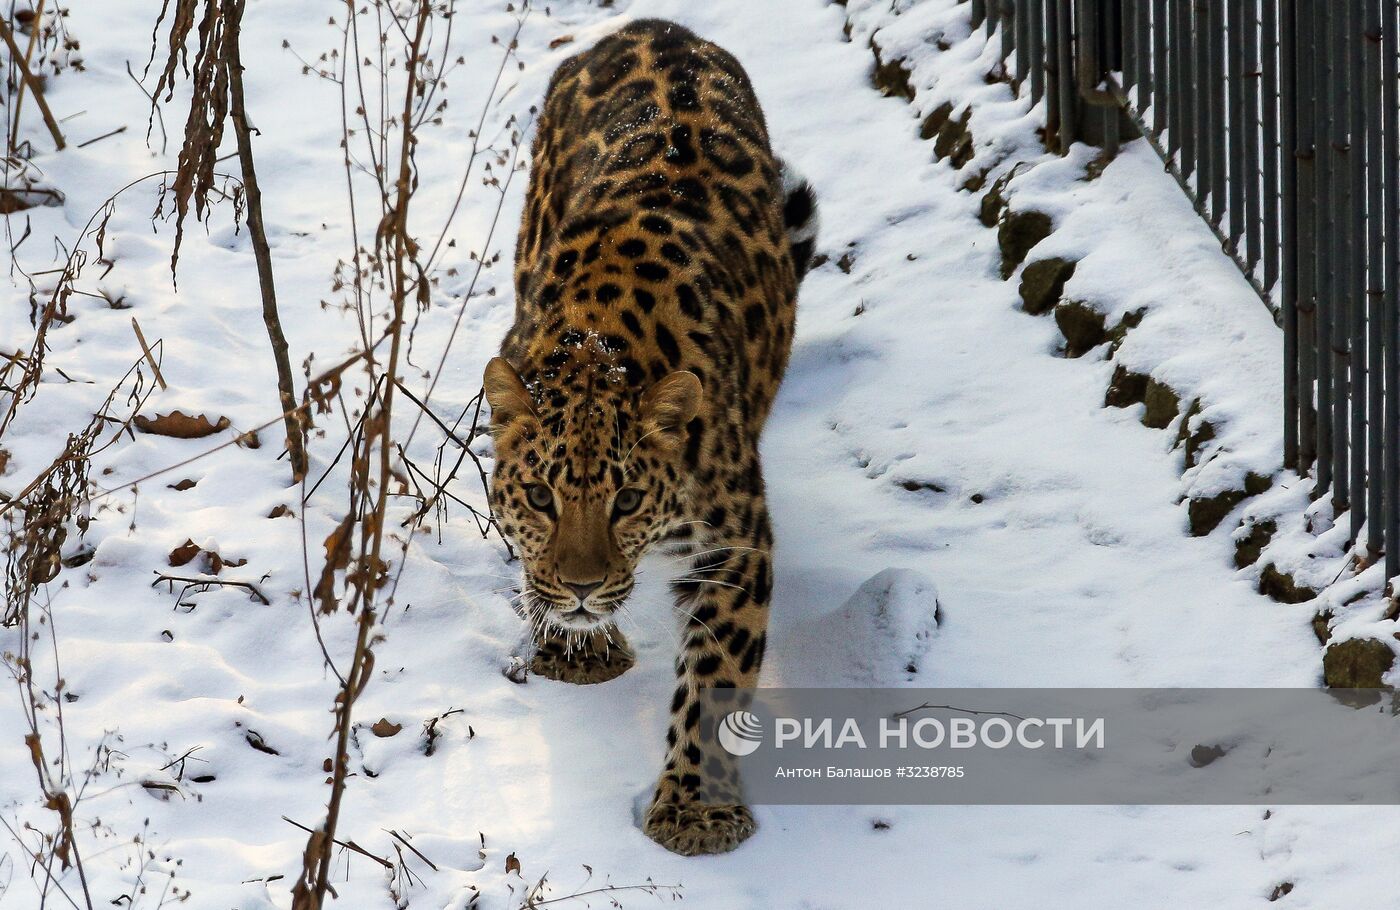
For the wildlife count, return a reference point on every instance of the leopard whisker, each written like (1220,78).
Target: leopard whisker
(711,581)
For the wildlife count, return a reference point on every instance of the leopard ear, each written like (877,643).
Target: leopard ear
(505,392)
(671,403)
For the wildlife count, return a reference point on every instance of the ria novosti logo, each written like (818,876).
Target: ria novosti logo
(740,732)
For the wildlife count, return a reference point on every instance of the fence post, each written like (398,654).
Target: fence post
(1375,304)
(1288,165)
(1390,125)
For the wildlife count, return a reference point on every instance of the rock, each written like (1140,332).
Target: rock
(1192,440)
(1082,325)
(1163,404)
(1042,281)
(892,77)
(1249,548)
(1322,626)
(1205,755)
(1282,588)
(1205,514)
(1125,389)
(975,182)
(1357,663)
(935,120)
(954,140)
(994,202)
(1017,233)
(1119,333)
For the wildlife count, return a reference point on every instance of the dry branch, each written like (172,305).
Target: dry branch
(32,81)
(217,78)
(365,569)
(296,433)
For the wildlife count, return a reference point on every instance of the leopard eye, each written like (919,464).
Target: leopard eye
(627,501)
(540,497)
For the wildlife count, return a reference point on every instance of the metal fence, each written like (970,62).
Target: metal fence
(1281,121)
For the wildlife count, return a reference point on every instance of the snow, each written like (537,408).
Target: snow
(928,438)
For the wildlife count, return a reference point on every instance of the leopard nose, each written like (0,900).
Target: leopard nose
(583,589)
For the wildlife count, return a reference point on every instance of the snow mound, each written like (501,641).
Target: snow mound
(879,637)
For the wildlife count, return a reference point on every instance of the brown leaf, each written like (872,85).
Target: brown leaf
(185,552)
(279,511)
(561,41)
(384,728)
(512,864)
(160,789)
(255,739)
(212,563)
(180,425)
(182,486)
(216,563)
(337,546)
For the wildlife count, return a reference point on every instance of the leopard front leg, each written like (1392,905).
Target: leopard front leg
(581,658)
(699,805)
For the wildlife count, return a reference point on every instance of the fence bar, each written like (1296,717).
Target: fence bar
(1183,89)
(1306,65)
(1290,164)
(1112,57)
(1065,74)
(1323,235)
(1245,76)
(1390,124)
(1339,300)
(1215,26)
(979,12)
(1137,36)
(1036,49)
(1204,101)
(1008,25)
(1122,32)
(1052,73)
(1022,40)
(1276,111)
(1375,253)
(1160,78)
(1234,86)
(1356,270)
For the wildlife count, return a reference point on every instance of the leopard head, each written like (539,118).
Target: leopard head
(588,475)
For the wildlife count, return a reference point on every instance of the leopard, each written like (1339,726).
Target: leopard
(660,250)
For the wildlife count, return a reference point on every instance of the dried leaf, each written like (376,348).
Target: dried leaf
(212,563)
(185,552)
(280,511)
(255,739)
(159,789)
(384,728)
(180,425)
(337,547)
(182,486)
(512,864)
(561,41)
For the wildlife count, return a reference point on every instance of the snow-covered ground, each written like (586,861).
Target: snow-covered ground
(926,424)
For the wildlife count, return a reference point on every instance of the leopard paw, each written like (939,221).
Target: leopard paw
(594,661)
(692,829)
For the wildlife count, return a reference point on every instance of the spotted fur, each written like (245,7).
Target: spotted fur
(656,287)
